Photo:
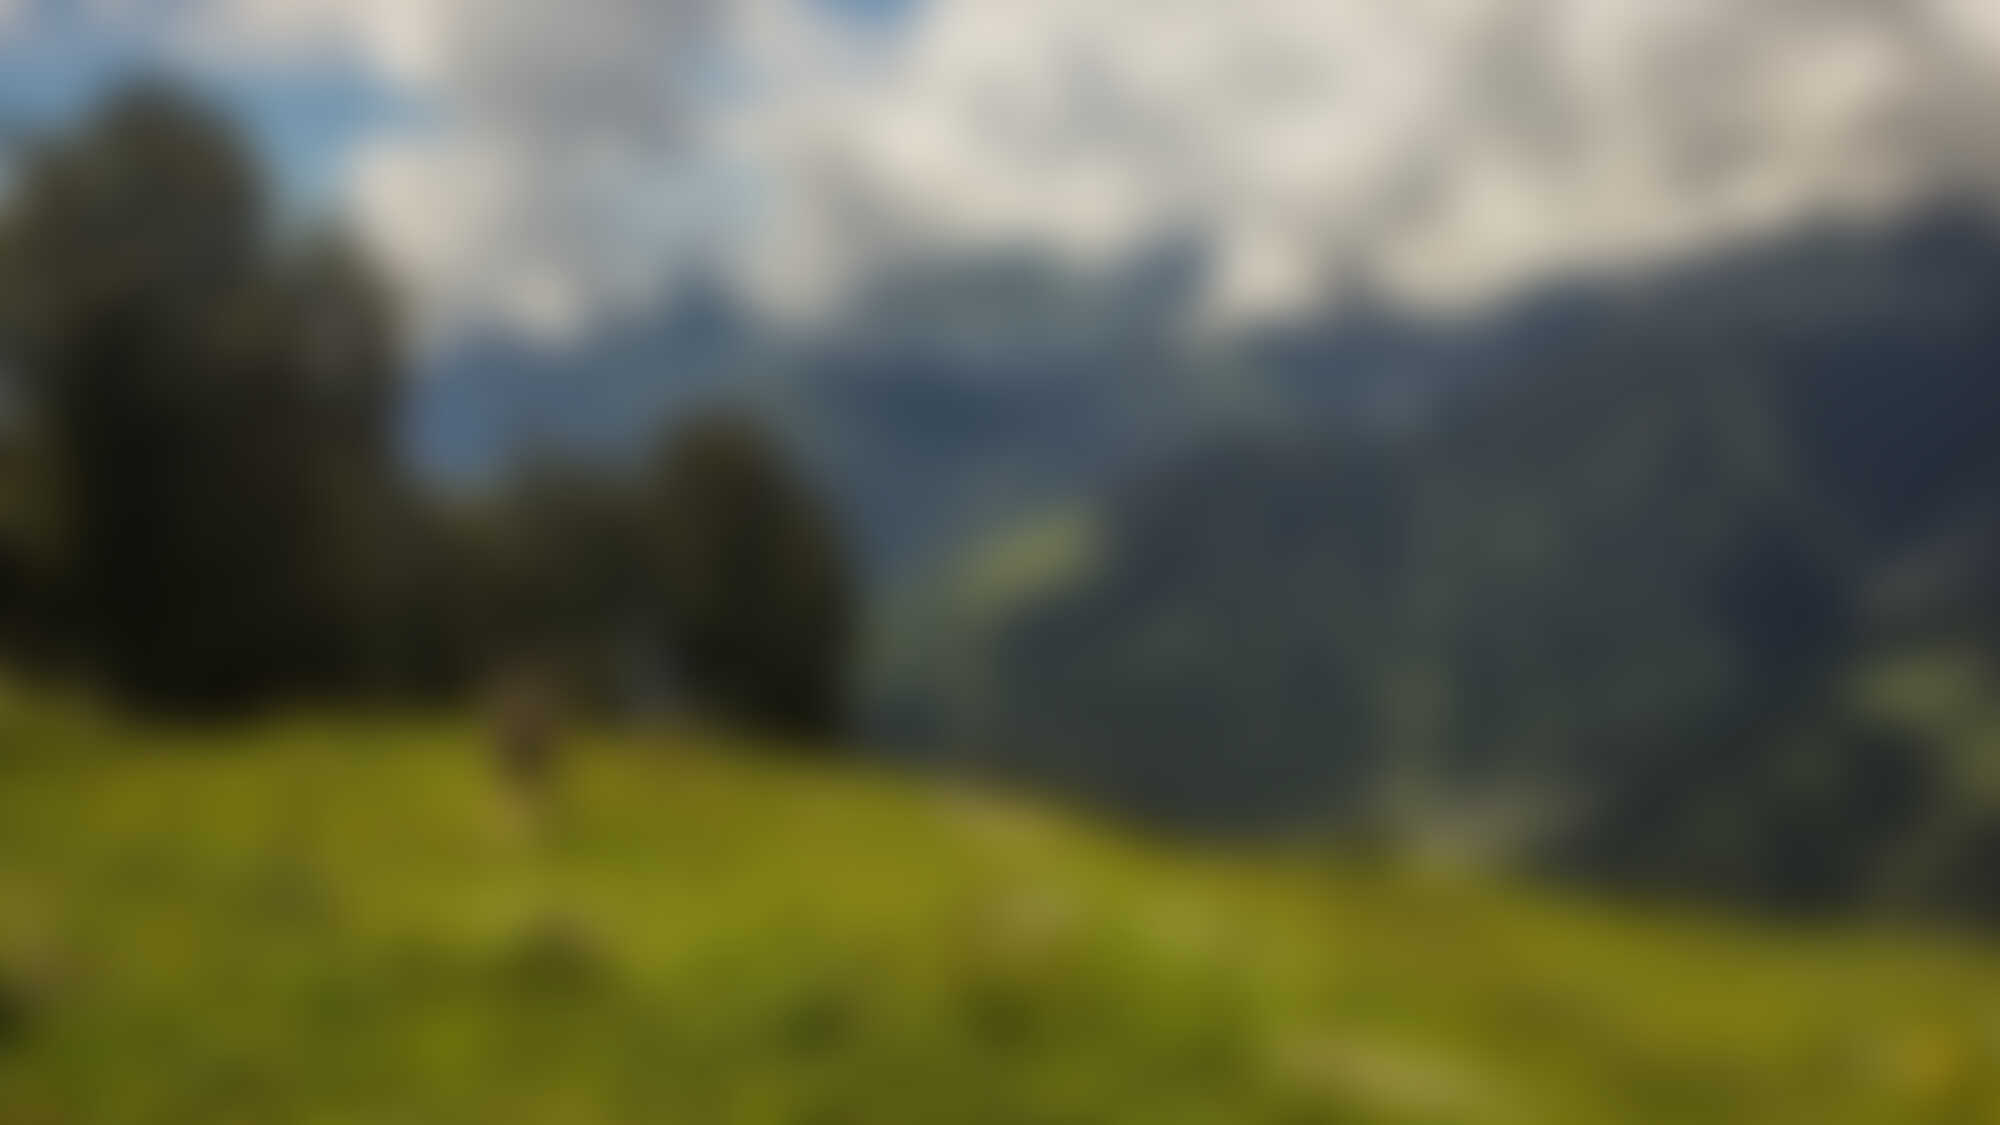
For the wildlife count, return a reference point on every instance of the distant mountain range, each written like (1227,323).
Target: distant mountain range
(1632,549)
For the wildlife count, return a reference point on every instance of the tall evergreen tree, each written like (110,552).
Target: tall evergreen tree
(216,411)
(759,605)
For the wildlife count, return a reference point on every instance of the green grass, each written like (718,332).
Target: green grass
(348,919)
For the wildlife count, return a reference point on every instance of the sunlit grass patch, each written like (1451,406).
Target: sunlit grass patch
(355,919)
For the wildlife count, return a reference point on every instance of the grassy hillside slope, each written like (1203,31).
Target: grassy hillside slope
(349,920)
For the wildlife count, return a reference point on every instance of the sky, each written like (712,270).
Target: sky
(544,165)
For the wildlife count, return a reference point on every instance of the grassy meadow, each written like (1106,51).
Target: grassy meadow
(350,919)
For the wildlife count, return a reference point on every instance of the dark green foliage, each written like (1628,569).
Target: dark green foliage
(758,605)
(30,535)
(214,414)
(714,583)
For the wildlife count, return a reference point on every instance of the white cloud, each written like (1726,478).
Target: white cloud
(1451,147)
(539,185)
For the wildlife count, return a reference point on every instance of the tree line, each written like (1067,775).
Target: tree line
(203,507)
